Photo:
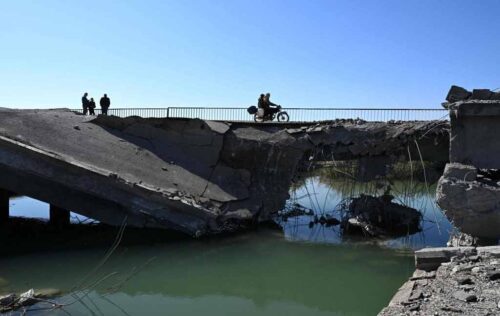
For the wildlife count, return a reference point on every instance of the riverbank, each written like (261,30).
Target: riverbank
(451,281)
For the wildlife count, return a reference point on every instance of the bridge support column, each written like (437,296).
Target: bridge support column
(58,216)
(4,205)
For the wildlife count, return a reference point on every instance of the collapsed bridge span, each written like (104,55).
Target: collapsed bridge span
(194,176)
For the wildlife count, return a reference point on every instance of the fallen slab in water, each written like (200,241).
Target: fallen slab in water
(379,217)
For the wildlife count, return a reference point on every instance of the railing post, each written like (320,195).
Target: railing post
(168,112)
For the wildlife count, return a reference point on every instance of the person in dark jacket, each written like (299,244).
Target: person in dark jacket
(261,103)
(271,108)
(91,106)
(105,102)
(85,103)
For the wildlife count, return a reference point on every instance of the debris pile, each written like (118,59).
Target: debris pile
(379,217)
(457,94)
(468,283)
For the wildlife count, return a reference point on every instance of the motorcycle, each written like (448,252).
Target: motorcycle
(258,114)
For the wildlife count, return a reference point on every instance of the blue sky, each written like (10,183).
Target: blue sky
(378,53)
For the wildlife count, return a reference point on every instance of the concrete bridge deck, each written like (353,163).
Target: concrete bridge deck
(193,176)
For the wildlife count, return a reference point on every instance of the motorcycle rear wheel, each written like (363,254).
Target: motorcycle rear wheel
(257,118)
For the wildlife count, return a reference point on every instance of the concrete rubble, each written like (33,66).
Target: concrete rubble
(457,94)
(466,282)
(12,301)
(469,190)
(194,176)
(470,200)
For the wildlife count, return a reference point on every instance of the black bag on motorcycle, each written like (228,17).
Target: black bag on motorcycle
(252,109)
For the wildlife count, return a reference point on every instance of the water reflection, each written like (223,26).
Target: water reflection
(251,274)
(324,195)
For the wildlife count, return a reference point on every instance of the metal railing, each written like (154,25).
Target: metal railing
(296,114)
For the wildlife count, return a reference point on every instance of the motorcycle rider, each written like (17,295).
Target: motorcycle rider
(260,102)
(270,107)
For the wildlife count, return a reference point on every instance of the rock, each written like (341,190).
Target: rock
(457,93)
(328,221)
(476,270)
(460,239)
(481,94)
(414,307)
(450,309)
(415,295)
(47,293)
(380,216)
(464,280)
(431,258)
(460,172)
(474,258)
(472,206)
(218,127)
(465,296)
(467,287)
(491,251)
(446,105)
(7,300)
(495,96)
(27,298)
(494,275)
(422,274)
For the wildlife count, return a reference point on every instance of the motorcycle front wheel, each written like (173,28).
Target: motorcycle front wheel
(283,117)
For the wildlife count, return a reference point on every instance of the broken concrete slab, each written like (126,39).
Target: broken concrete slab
(429,259)
(472,204)
(481,94)
(198,177)
(460,172)
(491,251)
(457,93)
(495,96)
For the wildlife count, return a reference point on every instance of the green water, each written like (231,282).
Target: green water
(259,273)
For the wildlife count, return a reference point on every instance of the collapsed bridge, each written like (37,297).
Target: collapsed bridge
(194,176)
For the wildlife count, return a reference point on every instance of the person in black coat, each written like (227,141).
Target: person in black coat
(105,102)
(91,106)
(85,103)
(271,108)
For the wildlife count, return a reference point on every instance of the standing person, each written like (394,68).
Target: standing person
(91,106)
(105,102)
(271,108)
(85,103)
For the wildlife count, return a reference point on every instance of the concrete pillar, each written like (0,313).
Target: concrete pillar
(58,216)
(4,205)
